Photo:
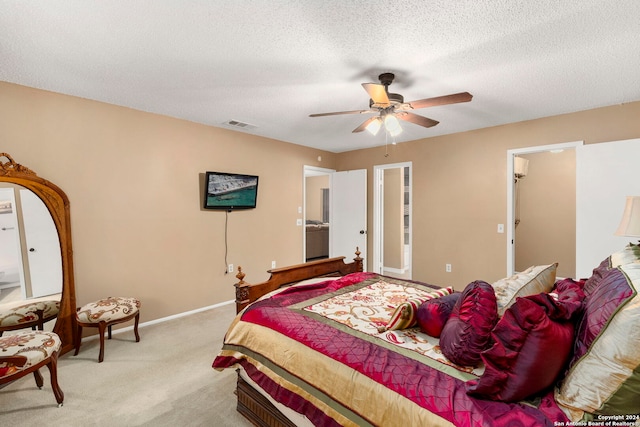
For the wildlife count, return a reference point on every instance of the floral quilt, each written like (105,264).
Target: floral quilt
(366,308)
(315,348)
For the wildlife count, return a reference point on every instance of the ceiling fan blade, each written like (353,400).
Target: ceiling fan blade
(378,94)
(416,119)
(441,100)
(343,112)
(364,125)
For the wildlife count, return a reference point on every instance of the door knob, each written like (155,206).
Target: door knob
(363,232)
(32,250)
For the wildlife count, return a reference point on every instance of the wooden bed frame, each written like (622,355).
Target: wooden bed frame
(251,404)
(247,293)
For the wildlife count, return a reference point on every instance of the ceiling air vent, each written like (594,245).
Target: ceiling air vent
(240,125)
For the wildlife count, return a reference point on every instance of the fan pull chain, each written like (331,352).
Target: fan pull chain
(386,143)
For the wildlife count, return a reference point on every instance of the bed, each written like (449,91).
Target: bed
(324,343)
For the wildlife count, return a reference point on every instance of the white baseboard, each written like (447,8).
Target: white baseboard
(163,319)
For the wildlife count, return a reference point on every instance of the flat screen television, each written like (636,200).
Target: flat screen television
(230,191)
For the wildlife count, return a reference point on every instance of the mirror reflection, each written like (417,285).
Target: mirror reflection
(44,253)
(30,258)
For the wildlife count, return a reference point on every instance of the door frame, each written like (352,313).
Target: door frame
(511,154)
(378,214)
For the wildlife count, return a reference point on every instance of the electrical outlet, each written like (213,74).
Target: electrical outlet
(273,264)
(230,268)
(500,228)
(447,268)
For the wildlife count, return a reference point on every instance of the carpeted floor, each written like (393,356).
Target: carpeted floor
(164,380)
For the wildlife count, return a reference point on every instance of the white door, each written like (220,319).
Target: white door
(43,246)
(348,214)
(605,174)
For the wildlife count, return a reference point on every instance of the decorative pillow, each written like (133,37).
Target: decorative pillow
(404,315)
(433,314)
(604,376)
(628,255)
(534,280)
(466,334)
(612,292)
(531,345)
(598,273)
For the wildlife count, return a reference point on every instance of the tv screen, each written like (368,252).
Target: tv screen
(229,191)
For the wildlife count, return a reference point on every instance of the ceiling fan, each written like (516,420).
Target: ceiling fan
(391,107)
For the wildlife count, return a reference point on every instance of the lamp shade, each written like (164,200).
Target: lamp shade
(374,126)
(392,125)
(630,224)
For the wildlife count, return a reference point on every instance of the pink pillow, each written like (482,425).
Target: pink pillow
(611,291)
(532,343)
(466,334)
(604,376)
(433,314)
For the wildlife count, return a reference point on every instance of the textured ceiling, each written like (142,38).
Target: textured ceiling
(272,63)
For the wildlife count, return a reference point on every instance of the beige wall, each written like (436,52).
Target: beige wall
(133,179)
(134,182)
(459,187)
(314,187)
(547,229)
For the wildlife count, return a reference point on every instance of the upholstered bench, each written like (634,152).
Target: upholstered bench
(31,315)
(26,352)
(103,314)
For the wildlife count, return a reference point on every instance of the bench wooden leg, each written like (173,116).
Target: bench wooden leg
(53,371)
(38,377)
(78,339)
(135,327)
(101,327)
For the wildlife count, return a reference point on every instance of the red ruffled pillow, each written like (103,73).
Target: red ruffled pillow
(466,334)
(532,343)
(433,314)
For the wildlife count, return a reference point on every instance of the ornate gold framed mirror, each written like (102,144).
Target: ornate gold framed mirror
(57,204)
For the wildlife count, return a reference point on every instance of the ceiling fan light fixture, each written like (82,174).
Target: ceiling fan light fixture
(392,125)
(391,106)
(374,126)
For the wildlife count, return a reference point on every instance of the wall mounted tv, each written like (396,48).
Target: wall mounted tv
(230,191)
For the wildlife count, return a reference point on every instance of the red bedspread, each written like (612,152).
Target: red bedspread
(431,385)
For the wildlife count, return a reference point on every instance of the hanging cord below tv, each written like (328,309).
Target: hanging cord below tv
(226,246)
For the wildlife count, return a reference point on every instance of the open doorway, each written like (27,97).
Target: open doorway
(541,208)
(344,202)
(392,240)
